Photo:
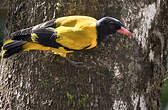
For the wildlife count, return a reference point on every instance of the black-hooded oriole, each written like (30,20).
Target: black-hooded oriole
(63,35)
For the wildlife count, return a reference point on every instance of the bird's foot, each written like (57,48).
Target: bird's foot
(75,63)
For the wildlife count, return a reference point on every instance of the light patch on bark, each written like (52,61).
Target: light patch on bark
(151,56)
(142,32)
(116,70)
(139,102)
(119,105)
(142,103)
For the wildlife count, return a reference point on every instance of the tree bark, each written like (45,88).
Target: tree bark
(121,73)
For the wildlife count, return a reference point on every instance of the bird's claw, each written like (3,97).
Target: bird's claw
(75,63)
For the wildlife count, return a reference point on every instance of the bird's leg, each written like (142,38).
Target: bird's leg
(70,61)
(74,62)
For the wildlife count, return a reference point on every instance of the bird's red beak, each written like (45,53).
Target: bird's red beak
(124,31)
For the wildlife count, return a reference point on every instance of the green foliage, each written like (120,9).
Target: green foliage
(164,97)
(58,5)
(77,102)
(70,98)
(83,100)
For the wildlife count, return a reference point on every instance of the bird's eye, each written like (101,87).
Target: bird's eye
(112,27)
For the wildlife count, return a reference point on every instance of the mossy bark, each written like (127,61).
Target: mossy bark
(120,73)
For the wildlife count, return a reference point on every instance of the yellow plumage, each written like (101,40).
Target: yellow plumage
(34,46)
(70,33)
(74,32)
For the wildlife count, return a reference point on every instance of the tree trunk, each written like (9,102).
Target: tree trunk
(121,73)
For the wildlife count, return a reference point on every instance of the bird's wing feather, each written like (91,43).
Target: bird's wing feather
(25,34)
(67,37)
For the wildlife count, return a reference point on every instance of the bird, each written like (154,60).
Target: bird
(63,35)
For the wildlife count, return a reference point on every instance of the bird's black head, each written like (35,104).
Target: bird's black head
(109,25)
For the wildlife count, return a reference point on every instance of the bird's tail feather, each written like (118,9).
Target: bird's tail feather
(11,47)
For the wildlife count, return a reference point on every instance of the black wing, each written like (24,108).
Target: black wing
(46,37)
(25,34)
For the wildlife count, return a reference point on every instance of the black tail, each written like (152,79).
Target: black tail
(11,47)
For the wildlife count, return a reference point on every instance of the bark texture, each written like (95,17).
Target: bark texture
(122,73)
